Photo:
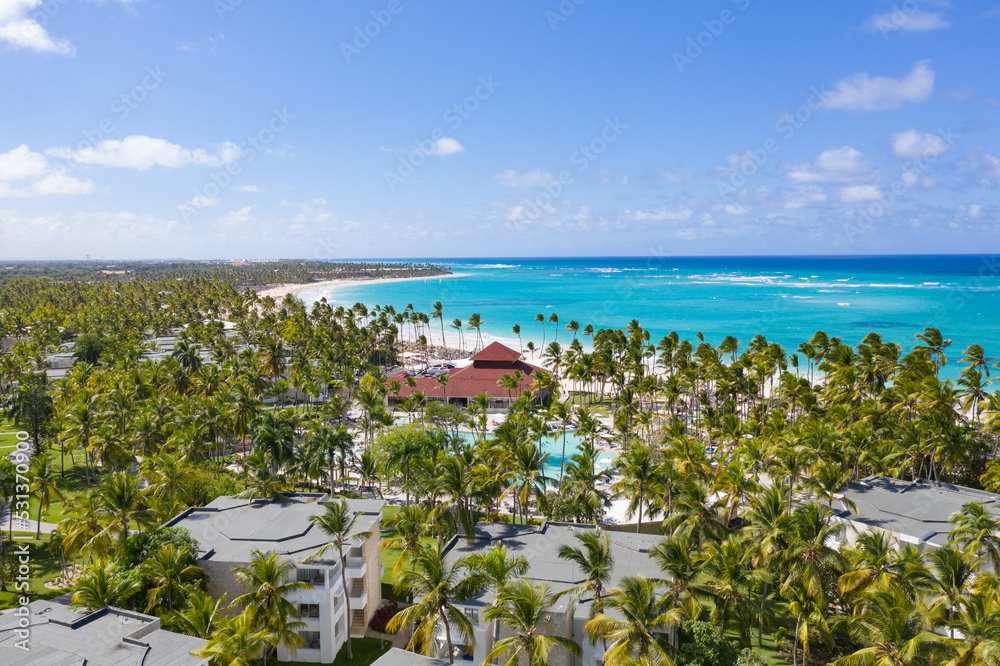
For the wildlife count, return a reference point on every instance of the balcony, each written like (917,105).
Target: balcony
(355,567)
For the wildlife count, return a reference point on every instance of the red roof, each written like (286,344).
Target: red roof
(497,352)
(480,376)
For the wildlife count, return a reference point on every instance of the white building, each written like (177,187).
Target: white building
(915,512)
(228,531)
(540,545)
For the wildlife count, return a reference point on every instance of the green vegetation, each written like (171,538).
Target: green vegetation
(734,454)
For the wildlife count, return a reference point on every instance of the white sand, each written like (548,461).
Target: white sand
(278,292)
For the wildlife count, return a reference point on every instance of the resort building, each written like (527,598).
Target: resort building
(57,635)
(481,375)
(916,512)
(540,545)
(229,530)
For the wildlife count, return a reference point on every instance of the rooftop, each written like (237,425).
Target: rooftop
(397,657)
(229,529)
(63,636)
(915,511)
(541,548)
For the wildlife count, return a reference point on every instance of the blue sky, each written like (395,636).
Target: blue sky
(395,128)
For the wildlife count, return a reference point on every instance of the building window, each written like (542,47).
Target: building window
(310,640)
(309,610)
(313,576)
(473,615)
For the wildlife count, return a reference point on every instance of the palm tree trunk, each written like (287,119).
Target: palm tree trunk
(447,633)
(347,604)
(760,621)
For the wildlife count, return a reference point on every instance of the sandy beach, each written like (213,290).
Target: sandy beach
(279,291)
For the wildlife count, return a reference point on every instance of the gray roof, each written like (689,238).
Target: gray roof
(541,548)
(229,529)
(63,636)
(915,511)
(397,657)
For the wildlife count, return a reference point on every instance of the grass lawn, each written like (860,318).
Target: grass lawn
(72,485)
(366,651)
(44,567)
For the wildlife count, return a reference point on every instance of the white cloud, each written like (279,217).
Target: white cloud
(143,152)
(533,178)
(199,201)
(248,188)
(446,146)
(837,165)
(60,182)
(861,92)
(916,20)
(21,163)
(911,144)
(19,30)
(677,176)
(662,214)
(861,193)
(914,179)
(34,176)
(801,197)
(236,218)
(738,209)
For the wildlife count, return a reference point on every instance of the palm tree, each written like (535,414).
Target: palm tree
(267,588)
(522,607)
(595,561)
(410,523)
(498,568)
(640,635)
(338,523)
(476,323)
(44,486)
(979,622)
(120,500)
(102,585)
(324,443)
(978,530)
(438,584)
(237,642)
(437,313)
(637,465)
(893,631)
(540,317)
(731,579)
(201,616)
(171,572)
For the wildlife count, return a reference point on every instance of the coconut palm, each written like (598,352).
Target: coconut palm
(338,524)
(437,585)
(237,641)
(893,632)
(595,561)
(498,568)
(522,608)
(171,571)
(636,622)
(101,585)
(44,487)
(265,580)
(977,529)
(637,465)
(200,617)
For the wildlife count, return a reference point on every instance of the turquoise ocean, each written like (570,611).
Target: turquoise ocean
(786,299)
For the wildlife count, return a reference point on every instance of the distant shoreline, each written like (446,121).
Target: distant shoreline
(279,291)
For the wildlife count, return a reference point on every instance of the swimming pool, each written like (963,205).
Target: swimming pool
(552,445)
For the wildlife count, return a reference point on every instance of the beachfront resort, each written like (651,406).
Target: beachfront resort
(244,479)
